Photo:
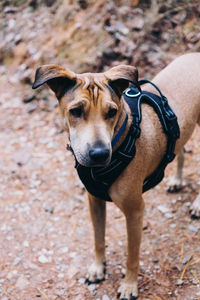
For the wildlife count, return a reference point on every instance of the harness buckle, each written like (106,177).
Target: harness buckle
(132,92)
(135,130)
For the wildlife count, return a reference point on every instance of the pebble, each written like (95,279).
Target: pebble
(73,254)
(21,283)
(81,280)
(173,225)
(163,209)
(193,228)
(79,198)
(179,282)
(173,201)
(29,99)
(64,250)
(105,297)
(91,287)
(168,216)
(61,292)
(48,208)
(186,258)
(43,259)
(16,261)
(22,156)
(26,244)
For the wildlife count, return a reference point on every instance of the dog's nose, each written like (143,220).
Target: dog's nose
(99,154)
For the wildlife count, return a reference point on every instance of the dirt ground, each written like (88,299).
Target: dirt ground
(46,238)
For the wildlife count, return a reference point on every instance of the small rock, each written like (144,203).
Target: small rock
(10,10)
(32,107)
(64,250)
(105,297)
(179,282)
(29,99)
(21,283)
(16,261)
(73,254)
(79,198)
(60,292)
(48,208)
(186,258)
(43,259)
(168,216)
(26,244)
(91,287)
(192,228)
(22,156)
(163,209)
(82,280)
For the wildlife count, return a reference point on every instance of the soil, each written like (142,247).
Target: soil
(46,238)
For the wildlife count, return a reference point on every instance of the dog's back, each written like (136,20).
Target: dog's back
(180,83)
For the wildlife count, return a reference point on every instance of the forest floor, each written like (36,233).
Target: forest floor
(46,238)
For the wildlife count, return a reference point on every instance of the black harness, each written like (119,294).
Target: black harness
(98,180)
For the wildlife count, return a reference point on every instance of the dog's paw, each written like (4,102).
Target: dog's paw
(174,185)
(195,208)
(127,291)
(96,273)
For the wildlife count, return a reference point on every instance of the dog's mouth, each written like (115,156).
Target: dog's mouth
(96,156)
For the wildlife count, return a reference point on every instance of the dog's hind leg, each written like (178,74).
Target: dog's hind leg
(97,207)
(195,208)
(134,219)
(176,183)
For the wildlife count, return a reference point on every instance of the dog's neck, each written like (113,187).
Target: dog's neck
(119,125)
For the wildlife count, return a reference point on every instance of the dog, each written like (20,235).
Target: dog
(93,110)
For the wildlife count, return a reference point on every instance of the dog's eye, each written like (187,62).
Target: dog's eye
(111,113)
(76,112)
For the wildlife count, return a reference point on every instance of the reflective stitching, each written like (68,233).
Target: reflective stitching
(98,172)
(114,167)
(126,155)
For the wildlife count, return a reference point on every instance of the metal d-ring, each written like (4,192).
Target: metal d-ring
(131,95)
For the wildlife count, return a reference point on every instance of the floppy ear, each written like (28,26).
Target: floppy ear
(58,79)
(119,78)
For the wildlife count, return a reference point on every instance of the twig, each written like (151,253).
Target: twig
(156,297)
(195,262)
(43,293)
(184,270)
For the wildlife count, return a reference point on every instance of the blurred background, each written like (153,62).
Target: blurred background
(46,240)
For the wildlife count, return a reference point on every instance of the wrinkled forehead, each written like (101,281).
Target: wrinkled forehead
(93,86)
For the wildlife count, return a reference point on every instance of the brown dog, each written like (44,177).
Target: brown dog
(93,112)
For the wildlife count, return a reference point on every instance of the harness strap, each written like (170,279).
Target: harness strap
(118,135)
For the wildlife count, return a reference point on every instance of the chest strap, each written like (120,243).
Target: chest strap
(98,180)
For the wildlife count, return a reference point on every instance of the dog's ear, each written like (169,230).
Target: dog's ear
(119,77)
(57,78)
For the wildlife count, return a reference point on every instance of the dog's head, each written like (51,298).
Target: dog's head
(91,107)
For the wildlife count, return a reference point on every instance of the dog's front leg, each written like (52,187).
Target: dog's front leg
(98,215)
(134,220)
